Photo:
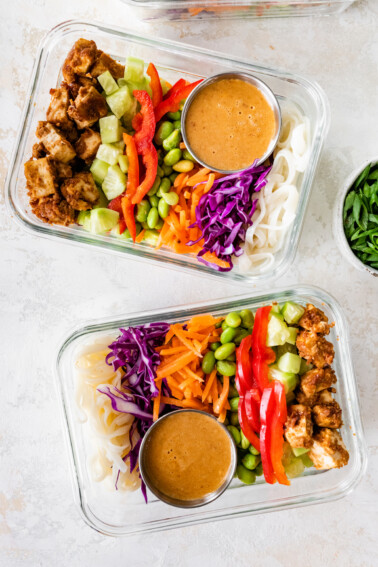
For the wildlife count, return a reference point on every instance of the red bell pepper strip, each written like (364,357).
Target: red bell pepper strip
(245,426)
(132,184)
(244,368)
(150,160)
(176,87)
(116,204)
(266,414)
(136,122)
(252,408)
(145,133)
(128,215)
(171,104)
(261,354)
(277,438)
(157,91)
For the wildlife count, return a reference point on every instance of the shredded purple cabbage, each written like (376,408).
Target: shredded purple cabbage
(225,212)
(134,351)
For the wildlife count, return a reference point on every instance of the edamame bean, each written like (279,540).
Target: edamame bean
(174,115)
(167,169)
(153,217)
(154,201)
(226,368)
(183,166)
(214,346)
(208,362)
(228,335)
(187,155)
(218,324)
(165,185)
(173,176)
(224,351)
(160,224)
(144,225)
(224,325)
(160,171)
(155,186)
(173,157)
(233,319)
(250,461)
(165,129)
(126,233)
(143,209)
(232,391)
(240,335)
(163,209)
(247,318)
(244,443)
(177,124)
(234,403)
(246,476)
(171,198)
(235,433)
(234,419)
(151,236)
(253,451)
(160,157)
(172,141)
(259,470)
(232,357)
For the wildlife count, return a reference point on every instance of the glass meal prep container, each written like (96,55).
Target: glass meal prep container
(194,9)
(115,513)
(173,61)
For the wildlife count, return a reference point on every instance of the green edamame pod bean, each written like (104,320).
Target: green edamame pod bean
(183,166)
(172,141)
(143,209)
(250,461)
(187,155)
(244,443)
(151,237)
(232,357)
(167,170)
(160,171)
(234,403)
(240,335)
(160,224)
(153,217)
(165,185)
(246,476)
(138,227)
(214,346)
(165,129)
(224,325)
(235,433)
(126,233)
(228,335)
(171,198)
(174,115)
(233,319)
(163,209)
(154,201)
(208,362)
(247,318)
(253,451)
(234,419)
(224,351)
(160,157)
(232,391)
(155,186)
(173,176)
(144,225)
(226,368)
(259,470)
(218,324)
(173,157)
(177,124)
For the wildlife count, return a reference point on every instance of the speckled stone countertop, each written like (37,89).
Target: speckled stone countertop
(47,286)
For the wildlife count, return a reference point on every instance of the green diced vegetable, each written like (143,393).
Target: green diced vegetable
(278,332)
(299,451)
(294,468)
(123,163)
(98,221)
(288,379)
(99,169)
(108,83)
(102,202)
(307,461)
(110,129)
(114,183)
(289,362)
(304,367)
(292,338)
(134,69)
(120,102)
(292,312)
(108,153)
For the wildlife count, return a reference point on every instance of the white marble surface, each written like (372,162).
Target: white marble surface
(45,287)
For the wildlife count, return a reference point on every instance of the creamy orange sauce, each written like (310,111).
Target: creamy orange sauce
(187,455)
(229,124)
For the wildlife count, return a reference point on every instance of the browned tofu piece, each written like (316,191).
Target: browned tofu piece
(313,319)
(54,142)
(38,151)
(316,380)
(328,450)
(298,427)
(57,111)
(88,107)
(80,59)
(53,210)
(315,349)
(41,179)
(63,170)
(87,145)
(323,397)
(106,63)
(80,191)
(78,82)
(327,415)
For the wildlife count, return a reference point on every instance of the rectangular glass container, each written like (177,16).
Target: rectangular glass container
(115,513)
(173,60)
(232,9)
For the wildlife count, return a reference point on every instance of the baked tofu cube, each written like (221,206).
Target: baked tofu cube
(298,427)
(88,107)
(87,145)
(80,191)
(80,59)
(41,178)
(106,63)
(315,349)
(57,111)
(313,319)
(327,415)
(328,450)
(316,380)
(53,210)
(54,142)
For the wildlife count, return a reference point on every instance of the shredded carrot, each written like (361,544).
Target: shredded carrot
(156,406)
(140,236)
(221,403)
(209,384)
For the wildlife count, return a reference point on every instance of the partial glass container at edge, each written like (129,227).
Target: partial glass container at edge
(118,514)
(173,60)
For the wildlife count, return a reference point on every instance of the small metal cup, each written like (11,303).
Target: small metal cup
(186,503)
(263,88)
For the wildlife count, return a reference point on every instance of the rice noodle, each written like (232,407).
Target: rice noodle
(110,429)
(278,200)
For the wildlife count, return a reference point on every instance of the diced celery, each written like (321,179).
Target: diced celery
(99,169)
(282,349)
(292,312)
(134,69)
(275,308)
(294,468)
(278,332)
(288,379)
(292,338)
(84,219)
(307,461)
(108,153)
(110,129)
(120,102)
(143,85)
(119,145)
(304,367)
(114,183)
(289,362)
(115,232)
(299,451)
(122,82)
(129,114)
(123,163)
(98,221)
(107,82)
(103,201)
